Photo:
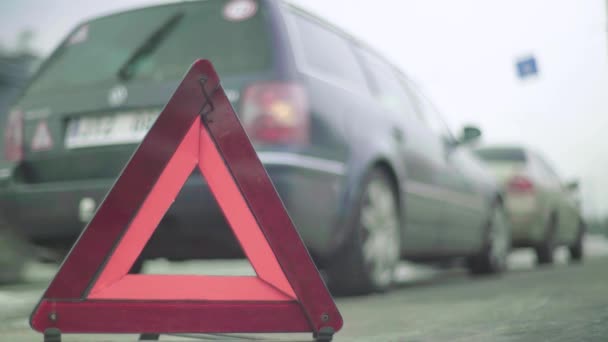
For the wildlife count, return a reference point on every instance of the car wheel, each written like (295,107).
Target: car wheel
(576,249)
(367,262)
(492,259)
(546,249)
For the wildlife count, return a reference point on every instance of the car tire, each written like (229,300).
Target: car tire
(367,261)
(546,249)
(576,249)
(492,259)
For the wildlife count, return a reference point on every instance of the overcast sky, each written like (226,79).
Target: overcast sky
(464,53)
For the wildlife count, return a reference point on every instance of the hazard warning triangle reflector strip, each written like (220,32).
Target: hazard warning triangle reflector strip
(42,139)
(93,293)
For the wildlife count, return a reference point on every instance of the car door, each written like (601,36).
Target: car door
(471,181)
(420,151)
(462,205)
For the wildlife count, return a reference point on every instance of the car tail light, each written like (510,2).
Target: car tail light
(276,113)
(13,136)
(520,184)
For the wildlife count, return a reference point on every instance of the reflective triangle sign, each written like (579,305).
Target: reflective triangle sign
(42,137)
(93,292)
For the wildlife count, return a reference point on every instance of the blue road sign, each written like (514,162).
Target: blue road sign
(527,67)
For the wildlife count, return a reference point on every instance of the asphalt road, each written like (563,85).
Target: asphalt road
(564,302)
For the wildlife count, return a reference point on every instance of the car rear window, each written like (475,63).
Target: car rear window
(328,53)
(97,50)
(502,154)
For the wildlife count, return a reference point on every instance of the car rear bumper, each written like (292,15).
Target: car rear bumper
(525,214)
(53,215)
(526,231)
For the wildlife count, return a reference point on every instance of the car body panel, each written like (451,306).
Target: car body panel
(472,194)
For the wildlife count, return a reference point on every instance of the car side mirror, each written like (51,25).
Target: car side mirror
(469,134)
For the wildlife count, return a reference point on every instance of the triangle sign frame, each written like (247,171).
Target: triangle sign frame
(93,293)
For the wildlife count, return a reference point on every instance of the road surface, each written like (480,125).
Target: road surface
(564,302)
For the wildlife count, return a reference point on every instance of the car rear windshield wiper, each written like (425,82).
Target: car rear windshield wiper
(126,70)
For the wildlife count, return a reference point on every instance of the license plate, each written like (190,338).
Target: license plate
(120,128)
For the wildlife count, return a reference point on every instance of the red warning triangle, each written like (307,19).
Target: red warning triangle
(93,292)
(42,139)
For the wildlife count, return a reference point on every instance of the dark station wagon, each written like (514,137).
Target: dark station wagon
(361,159)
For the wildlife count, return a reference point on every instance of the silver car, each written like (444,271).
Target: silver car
(544,212)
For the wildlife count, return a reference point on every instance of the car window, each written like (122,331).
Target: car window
(328,54)
(429,114)
(388,89)
(97,50)
(547,169)
(506,154)
(539,169)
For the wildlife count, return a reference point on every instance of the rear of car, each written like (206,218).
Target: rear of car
(542,209)
(96,96)
(525,202)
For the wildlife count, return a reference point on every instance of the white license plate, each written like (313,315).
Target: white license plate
(120,128)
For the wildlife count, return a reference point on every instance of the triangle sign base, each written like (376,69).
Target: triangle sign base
(163,318)
(93,292)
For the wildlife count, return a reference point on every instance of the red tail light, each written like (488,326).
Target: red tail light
(520,184)
(276,113)
(13,136)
